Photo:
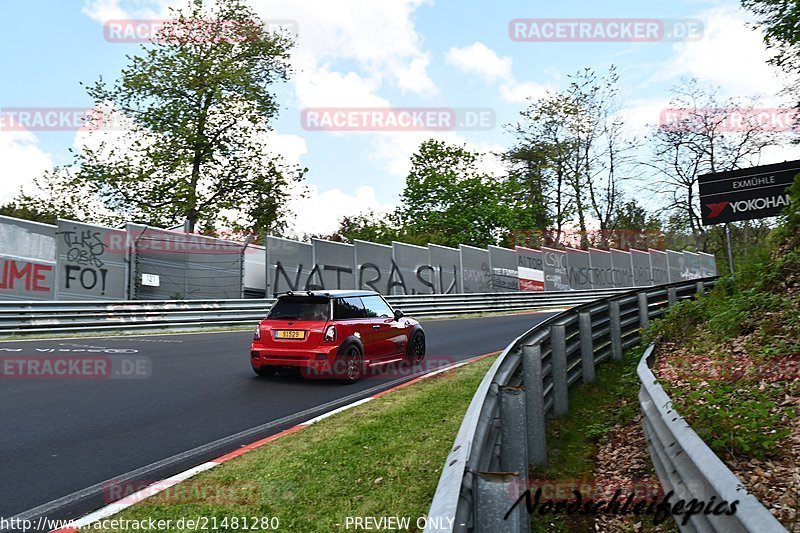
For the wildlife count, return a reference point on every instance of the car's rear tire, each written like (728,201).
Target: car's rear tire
(265,371)
(350,364)
(416,349)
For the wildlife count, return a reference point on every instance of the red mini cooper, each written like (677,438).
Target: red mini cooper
(342,334)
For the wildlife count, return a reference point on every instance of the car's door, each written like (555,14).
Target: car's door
(350,317)
(391,335)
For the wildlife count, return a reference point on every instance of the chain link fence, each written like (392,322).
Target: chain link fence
(176,266)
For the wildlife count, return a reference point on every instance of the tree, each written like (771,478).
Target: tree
(540,159)
(780,20)
(54,199)
(368,226)
(198,103)
(699,141)
(631,225)
(573,147)
(30,208)
(448,201)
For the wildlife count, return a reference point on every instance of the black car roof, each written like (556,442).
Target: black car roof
(329,294)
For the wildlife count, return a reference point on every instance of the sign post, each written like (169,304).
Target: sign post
(730,246)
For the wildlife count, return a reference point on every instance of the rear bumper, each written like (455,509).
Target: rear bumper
(320,358)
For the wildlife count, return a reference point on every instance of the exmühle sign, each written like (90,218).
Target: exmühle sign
(746,194)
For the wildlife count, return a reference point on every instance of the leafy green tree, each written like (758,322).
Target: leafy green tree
(367,226)
(780,20)
(31,208)
(448,201)
(528,166)
(198,101)
(575,153)
(54,199)
(631,225)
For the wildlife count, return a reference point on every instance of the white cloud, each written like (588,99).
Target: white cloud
(729,54)
(642,115)
(322,87)
(346,52)
(290,147)
(479,59)
(321,211)
(23,161)
(515,93)
(104,10)
(395,151)
(482,61)
(379,37)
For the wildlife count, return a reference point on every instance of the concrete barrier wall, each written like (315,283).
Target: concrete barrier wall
(413,273)
(642,275)
(92,262)
(87,262)
(621,268)
(504,269)
(373,266)
(579,267)
(530,268)
(27,260)
(446,263)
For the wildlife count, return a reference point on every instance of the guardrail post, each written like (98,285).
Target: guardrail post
(587,346)
(513,431)
(700,287)
(534,404)
(672,296)
(495,494)
(615,329)
(558,360)
(644,312)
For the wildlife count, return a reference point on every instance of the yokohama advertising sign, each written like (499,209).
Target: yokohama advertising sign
(746,194)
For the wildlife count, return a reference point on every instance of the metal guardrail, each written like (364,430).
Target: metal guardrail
(38,317)
(503,430)
(687,466)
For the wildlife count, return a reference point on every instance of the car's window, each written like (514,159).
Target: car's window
(288,308)
(376,307)
(348,308)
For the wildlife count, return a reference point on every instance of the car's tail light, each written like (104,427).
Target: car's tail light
(330,333)
(257,333)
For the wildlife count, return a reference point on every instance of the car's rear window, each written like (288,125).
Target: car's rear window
(305,308)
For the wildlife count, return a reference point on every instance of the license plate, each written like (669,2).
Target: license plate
(290,334)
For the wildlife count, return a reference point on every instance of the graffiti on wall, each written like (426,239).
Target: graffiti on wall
(91,262)
(19,277)
(85,250)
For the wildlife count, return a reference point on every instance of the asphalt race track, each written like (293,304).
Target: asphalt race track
(63,436)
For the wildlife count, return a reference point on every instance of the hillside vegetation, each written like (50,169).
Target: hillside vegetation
(731,363)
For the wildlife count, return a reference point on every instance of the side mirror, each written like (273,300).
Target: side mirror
(398,314)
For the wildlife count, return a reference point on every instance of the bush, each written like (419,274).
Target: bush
(680,323)
(736,419)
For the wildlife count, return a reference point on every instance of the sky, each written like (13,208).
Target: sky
(421,54)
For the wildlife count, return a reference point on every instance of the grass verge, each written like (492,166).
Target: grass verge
(596,411)
(379,459)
